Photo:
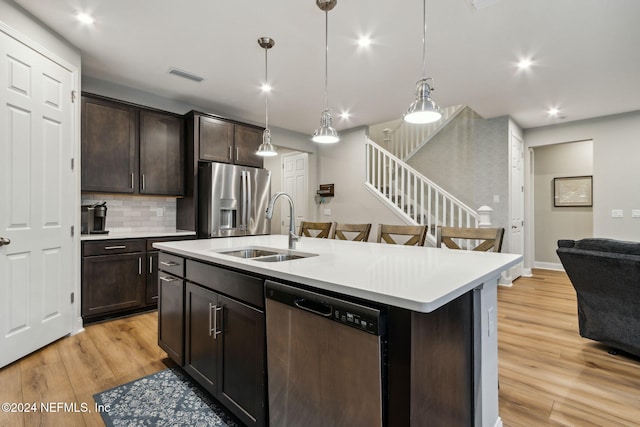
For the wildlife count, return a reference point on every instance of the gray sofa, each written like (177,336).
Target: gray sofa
(606,276)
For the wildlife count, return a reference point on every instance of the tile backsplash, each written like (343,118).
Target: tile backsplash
(136,213)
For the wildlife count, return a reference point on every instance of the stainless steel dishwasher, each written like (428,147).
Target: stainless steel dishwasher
(324,358)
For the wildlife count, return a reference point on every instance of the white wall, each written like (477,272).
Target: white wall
(616,157)
(343,164)
(554,223)
(22,21)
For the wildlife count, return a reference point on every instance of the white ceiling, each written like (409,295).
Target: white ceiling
(586,55)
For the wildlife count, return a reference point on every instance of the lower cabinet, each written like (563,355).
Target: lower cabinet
(119,276)
(113,277)
(224,351)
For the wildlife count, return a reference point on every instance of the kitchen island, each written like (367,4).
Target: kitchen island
(441,364)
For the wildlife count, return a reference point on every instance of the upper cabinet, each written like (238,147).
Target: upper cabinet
(109,145)
(161,153)
(130,149)
(219,140)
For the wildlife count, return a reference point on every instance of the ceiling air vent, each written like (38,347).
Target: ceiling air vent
(185,74)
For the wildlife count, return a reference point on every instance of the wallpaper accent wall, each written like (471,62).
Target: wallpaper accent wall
(470,159)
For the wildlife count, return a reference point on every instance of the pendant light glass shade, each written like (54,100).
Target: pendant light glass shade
(423,109)
(266,149)
(326,133)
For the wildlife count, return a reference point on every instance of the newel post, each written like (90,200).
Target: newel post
(485,216)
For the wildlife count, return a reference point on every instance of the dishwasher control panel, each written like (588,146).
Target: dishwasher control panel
(355,315)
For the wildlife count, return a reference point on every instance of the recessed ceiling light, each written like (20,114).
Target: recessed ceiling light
(525,63)
(85,18)
(345,115)
(364,41)
(265,87)
(553,112)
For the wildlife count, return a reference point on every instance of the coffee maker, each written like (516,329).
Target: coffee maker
(94,218)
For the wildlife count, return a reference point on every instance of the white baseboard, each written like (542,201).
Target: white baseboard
(78,326)
(548,266)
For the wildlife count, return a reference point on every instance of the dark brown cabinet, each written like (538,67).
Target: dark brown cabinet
(113,277)
(120,276)
(215,140)
(223,334)
(224,141)
(161,154)
(247,140)
(224,351)
(171,306)
(108,146)
(130,149)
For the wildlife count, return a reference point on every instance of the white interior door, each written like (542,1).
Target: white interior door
(36,188)
(295,171)
(516,234)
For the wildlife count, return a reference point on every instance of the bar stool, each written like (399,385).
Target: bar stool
(318,230)
(486,239)
(415,234)
(343,231)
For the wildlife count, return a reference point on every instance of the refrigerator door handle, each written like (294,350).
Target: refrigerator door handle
(249,211)
(243,175)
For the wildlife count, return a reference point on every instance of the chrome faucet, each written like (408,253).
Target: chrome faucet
(293,238)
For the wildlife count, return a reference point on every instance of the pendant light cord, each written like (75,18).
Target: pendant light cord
(266,92)
(424,39)
(326,59)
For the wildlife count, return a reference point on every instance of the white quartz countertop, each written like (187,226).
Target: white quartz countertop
(416,278)
(113,235)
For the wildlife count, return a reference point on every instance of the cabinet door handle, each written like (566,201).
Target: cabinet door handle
(142,182)
(213,313)
(237,156)
(151,265)
(108,248)
(139,266)
(132,181)
(168,279)
(169,264)
(230,153)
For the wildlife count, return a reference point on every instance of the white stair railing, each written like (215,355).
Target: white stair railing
(406,139)
(413,196)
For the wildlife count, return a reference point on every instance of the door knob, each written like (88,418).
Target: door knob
(4,241)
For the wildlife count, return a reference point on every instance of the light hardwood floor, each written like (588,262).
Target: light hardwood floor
(549,375)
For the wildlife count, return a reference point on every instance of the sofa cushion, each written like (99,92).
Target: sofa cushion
(607,245)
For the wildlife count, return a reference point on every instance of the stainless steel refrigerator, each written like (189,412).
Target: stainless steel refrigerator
(232,200)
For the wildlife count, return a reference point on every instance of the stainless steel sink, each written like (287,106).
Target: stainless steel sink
(267,254)
(280,257)
(250,253)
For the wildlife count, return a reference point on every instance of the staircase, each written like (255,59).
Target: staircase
(413,197)
(404,140)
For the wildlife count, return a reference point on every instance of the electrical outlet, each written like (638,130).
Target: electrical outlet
(327,211)
(617,213)
(159,211)
(496,198)
(635,213)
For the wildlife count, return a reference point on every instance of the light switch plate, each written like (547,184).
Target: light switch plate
(327,212)
(617,213)
(635,213)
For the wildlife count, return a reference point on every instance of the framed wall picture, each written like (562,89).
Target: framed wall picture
(573,191)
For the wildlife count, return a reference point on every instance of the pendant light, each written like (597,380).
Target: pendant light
(326,133)
(266,149)
(423,109)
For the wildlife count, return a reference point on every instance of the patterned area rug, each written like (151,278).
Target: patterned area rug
(166,398)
